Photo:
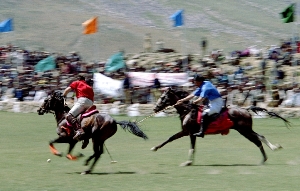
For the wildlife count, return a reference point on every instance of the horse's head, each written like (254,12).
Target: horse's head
(169,97)
(53,102)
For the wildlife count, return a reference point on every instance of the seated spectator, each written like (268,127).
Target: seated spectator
(30,95)
(9,93)
(40,95)
(19,94)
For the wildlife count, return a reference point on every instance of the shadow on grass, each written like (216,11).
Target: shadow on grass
(108,173)
(104,173)
(231,165)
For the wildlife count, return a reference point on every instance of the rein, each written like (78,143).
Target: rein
(168,107)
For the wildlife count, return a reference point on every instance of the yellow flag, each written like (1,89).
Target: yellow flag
(90,26)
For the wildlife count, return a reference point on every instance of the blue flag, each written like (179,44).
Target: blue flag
(177,18)
(115,62)
(6,26)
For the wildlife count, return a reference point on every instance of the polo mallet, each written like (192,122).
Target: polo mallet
(112,161)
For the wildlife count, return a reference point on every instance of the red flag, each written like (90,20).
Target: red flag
(90,26)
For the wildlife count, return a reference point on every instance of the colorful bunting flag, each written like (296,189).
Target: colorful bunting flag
(177,18)
(90,26)
(6,26)
(288,14)
(115,62)
(45,64)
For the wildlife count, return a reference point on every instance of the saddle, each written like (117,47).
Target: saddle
(90,111)
(87,113)
(219,122)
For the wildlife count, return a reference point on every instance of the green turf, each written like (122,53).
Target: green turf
(221,163)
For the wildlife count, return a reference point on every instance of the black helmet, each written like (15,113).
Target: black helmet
(81,77)
(90,82)
(199,78)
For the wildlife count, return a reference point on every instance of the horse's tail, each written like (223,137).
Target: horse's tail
(133,128)
(256,109)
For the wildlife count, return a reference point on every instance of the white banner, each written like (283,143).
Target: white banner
(141,79)
(107,86)
(172,79)
(144,79)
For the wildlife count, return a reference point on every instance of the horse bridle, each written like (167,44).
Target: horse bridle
(48,100)
(171,92)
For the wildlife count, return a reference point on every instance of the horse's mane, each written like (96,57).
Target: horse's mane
(59,96)
(181,94)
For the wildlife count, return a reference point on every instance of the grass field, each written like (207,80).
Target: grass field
(222,162)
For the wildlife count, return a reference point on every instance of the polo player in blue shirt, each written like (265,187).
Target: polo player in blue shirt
(205,90)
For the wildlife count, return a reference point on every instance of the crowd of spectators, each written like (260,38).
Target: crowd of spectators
(19,80)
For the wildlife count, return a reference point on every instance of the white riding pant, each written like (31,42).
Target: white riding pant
(80,105)
(215,106)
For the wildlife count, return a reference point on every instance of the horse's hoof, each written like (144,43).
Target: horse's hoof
(70,157)
(80,155)
(263,161)
(278,146)
(153,149)
(187,163)
(59,154)
(86,172)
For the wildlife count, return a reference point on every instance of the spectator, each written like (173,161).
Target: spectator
(9,92)
(155,91)
(263,66)
(127,89)
(19,94)
(40,95)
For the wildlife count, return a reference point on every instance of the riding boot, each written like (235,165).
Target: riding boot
(76,125)
(203,125)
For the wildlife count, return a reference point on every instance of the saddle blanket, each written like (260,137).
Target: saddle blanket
(92,110)
(220,126)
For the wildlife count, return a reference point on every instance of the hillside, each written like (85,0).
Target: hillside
(55,25)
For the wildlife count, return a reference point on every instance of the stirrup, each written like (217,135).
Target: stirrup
(199,134)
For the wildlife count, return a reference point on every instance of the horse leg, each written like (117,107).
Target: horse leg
(62,139)
(89,159)
(191,153)
(254,138)
(172,138)
(270,145)
(98,150)
(72,143)
(53,149)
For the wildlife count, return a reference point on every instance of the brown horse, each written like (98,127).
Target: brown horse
(241,121)
(97,126)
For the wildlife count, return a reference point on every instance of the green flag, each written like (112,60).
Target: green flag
(115,62)
(288,14)
(45,64)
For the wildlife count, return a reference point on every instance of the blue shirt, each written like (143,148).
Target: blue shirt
(207,90)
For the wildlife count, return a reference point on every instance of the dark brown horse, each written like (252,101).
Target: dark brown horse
(97,126)
(241,121)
